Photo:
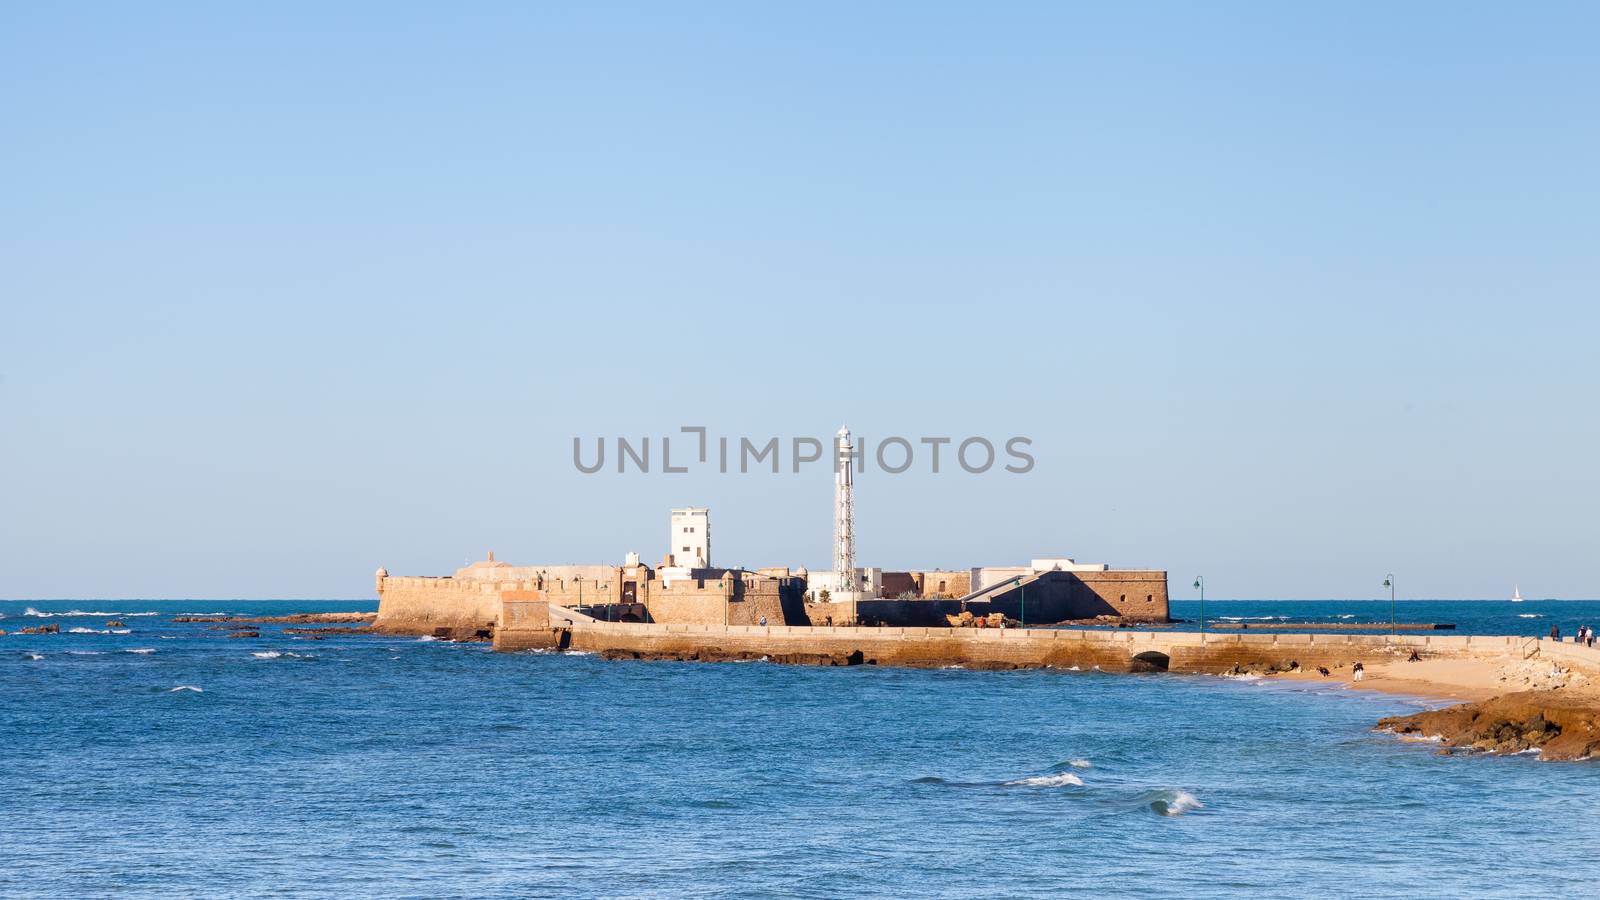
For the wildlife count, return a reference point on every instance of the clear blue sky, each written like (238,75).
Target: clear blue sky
(1292,297)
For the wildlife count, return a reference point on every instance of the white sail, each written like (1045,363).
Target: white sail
(1516,594)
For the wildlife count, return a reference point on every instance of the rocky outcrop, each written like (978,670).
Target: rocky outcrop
(116,623)
(48,628)
(1560,726)
(243,634)
(295,619)
(993,620)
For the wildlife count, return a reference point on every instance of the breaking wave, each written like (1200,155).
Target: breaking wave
(85,653)
(30,611)
(141,650)
(33,655)
(1530,615)
(1079,763)
(267,654)
(1061,779)
(186,687)
(1171,803)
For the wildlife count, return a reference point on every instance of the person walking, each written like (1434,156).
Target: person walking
(1358,671)
(1555,632)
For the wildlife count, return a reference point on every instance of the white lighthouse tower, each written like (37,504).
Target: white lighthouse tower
(844,516)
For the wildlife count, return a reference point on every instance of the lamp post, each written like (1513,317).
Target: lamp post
(1200,583)
(1023,612)
(1388,582)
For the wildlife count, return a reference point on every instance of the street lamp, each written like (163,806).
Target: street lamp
(1388,582)
(1200,582)
(1023,612)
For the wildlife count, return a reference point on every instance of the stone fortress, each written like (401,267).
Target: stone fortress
(687,588)
(522,607)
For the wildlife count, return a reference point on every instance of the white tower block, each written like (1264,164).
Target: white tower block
(844,516)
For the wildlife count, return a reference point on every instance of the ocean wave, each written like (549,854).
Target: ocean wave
(1530,615)
(82,613)
(267,654)
(1061,779)
(1251,618)
(426,638)
(1079,763)
(186,687)
(85,652)
(141,650)
(33,655)
(1171,803)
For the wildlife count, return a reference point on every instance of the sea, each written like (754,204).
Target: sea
(166,759)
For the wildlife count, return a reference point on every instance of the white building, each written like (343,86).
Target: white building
(689,544)
(868,584)
(988,576)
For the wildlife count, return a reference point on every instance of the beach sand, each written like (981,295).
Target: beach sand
(1492,706)
(1459,679)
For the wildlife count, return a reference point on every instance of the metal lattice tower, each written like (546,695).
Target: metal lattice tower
(844,514)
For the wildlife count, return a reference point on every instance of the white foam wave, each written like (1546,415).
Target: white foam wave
(1251,618)
(34,655)
(426,638)
(1175,803)
(86,631)
(30,611)
(1074,669)
(1530,615)
(186,687)
(85,652)
(267,654)
(141,650)
(1059,780)
(1079,763)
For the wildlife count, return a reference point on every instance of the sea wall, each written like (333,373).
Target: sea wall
(409,604)
(1118,651)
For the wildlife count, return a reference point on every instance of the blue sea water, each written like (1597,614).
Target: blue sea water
(173,760)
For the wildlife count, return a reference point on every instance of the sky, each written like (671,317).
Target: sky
(1292,297)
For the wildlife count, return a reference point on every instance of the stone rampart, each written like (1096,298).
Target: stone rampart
(417,605)
(1112,651)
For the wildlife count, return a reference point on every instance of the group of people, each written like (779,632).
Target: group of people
(1585,634)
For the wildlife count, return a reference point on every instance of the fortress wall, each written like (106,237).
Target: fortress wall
(687,603)
(1112,651)
(954,584)
(1065,596)
(416,605)
(1132,593)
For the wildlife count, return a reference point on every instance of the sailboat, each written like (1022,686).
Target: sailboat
(1516,594)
